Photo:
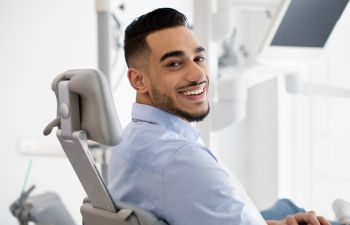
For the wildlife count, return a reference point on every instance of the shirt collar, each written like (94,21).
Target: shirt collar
(153,115)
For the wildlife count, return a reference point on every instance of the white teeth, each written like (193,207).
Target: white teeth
(194,92)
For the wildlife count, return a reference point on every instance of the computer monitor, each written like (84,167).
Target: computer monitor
(301,29)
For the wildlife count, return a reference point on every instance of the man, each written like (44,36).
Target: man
(159,165)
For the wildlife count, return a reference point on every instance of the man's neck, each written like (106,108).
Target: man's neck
(144,101)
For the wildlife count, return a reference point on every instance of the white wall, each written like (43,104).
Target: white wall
(38,40)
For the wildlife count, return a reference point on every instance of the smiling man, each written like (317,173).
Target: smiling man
(171,74)
(159,165)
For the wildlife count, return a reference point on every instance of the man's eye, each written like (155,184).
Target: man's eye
(199,59)
(174,64)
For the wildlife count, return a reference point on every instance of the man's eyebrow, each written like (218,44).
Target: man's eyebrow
(179,53)
(171,54)
(199,50)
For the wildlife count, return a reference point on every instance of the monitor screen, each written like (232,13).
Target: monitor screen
(308,23)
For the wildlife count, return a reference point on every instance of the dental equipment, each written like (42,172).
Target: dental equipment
(46,208)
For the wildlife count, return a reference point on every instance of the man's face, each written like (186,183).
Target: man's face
(178,75)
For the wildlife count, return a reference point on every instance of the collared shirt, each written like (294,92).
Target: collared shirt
(159,166)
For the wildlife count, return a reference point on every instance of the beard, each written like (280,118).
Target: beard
(166,103)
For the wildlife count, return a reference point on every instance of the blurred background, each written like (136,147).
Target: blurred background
(280,120)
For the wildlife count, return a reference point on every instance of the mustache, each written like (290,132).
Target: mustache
(192,84)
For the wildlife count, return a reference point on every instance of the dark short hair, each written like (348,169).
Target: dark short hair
(137,31)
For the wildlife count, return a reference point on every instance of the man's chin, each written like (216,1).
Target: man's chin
(192,116)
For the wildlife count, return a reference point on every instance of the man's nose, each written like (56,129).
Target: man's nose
(196,72)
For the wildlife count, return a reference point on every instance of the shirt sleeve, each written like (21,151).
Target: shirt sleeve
(197,191)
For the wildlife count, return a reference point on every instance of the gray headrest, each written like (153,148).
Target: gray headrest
(97,112)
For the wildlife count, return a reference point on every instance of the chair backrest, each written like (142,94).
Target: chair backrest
(98,117)
(85,111)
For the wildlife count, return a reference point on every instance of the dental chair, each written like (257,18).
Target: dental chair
(85,111)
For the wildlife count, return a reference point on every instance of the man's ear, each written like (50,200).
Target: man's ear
(138,80)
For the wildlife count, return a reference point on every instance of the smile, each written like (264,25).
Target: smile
(198,91)
(194,91)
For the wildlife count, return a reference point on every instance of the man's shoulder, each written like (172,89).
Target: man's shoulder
(158,139)
(151,146)
(145,134)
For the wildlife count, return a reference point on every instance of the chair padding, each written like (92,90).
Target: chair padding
(98,116)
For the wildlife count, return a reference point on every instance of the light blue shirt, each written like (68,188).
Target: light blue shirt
(159,166)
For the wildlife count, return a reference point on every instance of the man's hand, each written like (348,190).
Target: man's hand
(309,218)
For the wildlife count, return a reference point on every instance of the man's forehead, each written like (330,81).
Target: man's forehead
(172,39)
